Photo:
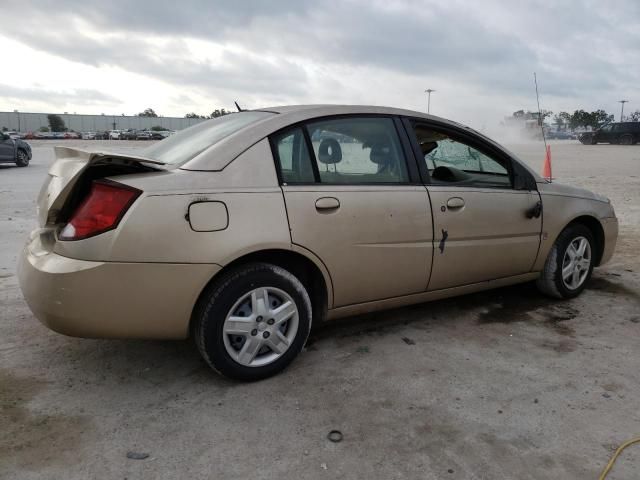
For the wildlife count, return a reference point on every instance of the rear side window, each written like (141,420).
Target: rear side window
(293,157)
(358,150)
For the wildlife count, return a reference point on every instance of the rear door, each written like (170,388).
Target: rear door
(355,202)
(484,227)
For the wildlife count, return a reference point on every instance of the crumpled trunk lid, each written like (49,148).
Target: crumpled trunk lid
(70,166)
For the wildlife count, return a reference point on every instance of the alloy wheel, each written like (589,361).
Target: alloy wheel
(260,327)
(576,263)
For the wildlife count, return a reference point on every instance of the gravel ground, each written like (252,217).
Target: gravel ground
(503,384)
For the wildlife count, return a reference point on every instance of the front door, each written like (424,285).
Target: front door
(484,228)
(604,134)
(351,201)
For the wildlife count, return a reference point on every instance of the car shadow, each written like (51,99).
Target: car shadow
(516,303)
(157,362)
(505,305)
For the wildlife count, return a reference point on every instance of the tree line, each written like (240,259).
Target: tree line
(582,119)
(218,112)
(577,119)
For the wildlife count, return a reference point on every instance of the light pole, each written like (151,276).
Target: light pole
(622,102)
(18,115)
(428,92)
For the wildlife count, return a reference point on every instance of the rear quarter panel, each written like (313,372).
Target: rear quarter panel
(156,229)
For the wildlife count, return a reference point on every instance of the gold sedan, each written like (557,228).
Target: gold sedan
(244,229)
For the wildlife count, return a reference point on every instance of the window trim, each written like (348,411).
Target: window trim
(311,153)
(459,135)
(275,153)
(405,147)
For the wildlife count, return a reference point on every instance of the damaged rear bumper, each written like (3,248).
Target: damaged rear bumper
(108,299)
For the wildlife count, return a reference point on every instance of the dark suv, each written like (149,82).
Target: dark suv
(624,133)
(14,150)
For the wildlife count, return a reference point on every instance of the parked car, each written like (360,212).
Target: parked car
(71,135)
(13,134)
(157,135)
(14,150)
(88,135)
(560,135)
(102,135)
(241,230)
(128,134)
(114,134)
(623,133)
(143,136)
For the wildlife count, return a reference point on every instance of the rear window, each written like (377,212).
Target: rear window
(188,143)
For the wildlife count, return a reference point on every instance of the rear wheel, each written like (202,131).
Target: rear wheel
(253,321)
(22,159)
(569,264)
(626,140)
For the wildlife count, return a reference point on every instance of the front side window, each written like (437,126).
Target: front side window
(452,161)
(357,150)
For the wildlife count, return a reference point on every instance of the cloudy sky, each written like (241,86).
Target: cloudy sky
(118,57)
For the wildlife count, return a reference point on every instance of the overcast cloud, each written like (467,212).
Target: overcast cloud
(124,56)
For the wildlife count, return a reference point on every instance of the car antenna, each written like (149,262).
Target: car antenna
(541,122)
(238,107)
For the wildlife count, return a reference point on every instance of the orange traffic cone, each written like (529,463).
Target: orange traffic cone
(546,166)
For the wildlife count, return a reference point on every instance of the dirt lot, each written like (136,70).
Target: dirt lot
(502,384)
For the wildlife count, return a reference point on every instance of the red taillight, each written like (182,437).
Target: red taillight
(100,211)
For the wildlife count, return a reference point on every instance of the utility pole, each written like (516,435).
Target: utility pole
(622,108)
(428,92)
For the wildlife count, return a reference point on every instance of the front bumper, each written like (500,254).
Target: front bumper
(610,227)
(109,299)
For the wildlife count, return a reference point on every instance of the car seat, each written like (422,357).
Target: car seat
(330,153)
(382,156)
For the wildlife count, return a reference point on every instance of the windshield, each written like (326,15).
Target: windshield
(191,141)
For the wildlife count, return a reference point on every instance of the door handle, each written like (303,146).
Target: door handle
(327,204)
(535,212)
(455,203)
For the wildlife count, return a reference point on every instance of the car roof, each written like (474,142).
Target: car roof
(320,110)
(219,155)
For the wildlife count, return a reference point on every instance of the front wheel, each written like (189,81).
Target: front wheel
(253,321)
(626,140)
(569,264)
(22,159)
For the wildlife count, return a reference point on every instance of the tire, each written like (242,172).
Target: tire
(551,281)
(268,340)
(626,140)
(22,159)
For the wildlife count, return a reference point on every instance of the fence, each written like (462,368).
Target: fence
(32,122)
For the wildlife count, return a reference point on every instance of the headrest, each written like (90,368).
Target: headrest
(428,147)
(329,151)
(380,153)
